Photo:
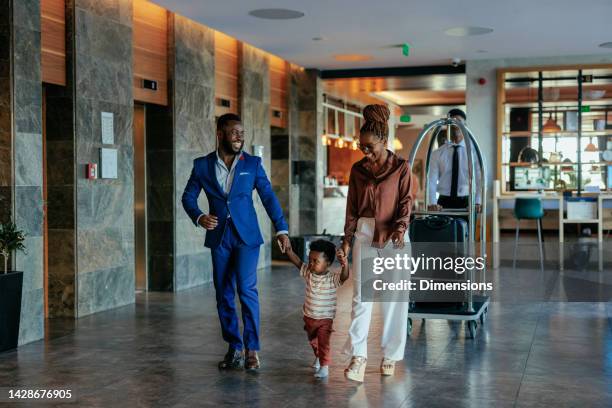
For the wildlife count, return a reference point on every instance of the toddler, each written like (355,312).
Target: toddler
(320,300)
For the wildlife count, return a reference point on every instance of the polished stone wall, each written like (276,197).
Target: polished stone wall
(21,151)
(59,144)
(105,207)
(308,156)
(293,128)
(193,67)
(60,149)
(254,96)
(280,167)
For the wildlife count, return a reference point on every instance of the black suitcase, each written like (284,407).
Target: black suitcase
(424,234)
(438,228)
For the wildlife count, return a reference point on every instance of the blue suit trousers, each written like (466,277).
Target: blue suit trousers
(235,268)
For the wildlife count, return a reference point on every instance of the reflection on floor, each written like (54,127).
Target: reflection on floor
(163,351)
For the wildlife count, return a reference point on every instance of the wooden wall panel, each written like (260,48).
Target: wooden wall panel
(278,91)
(150,42)
(226,73)
(53,41)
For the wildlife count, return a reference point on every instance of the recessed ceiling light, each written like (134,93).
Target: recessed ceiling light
(276,14)
(606,45)
(352,57)
(467,31)
(319,38)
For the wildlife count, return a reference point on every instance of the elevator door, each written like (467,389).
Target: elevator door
(140,193)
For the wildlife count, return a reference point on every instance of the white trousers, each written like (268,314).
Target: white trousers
(395,314)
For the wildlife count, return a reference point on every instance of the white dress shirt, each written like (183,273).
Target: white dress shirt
(225,177)
(440,176)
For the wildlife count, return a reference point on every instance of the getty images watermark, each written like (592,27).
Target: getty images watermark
(431,272)
(412,265)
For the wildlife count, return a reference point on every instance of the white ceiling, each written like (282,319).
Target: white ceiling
(523,28)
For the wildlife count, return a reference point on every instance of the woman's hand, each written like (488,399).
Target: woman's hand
(342,252)
(398,239)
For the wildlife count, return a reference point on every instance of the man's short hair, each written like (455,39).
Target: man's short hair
(457,112)
(327,247)
(224,120)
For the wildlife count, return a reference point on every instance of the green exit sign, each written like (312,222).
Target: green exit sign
(586,108)
(406,49)
(405,118)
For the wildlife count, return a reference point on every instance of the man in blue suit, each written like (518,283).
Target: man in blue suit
(228,176)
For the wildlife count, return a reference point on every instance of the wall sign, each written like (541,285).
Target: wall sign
(108,160)
(258,150)
(108,133)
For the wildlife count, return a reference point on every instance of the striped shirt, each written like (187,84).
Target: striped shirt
(320,300)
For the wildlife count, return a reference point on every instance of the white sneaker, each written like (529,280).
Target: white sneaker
(315,364)
(322,372)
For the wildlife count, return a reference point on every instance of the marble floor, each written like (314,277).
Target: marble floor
(163,351)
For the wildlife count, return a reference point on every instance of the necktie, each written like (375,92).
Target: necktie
(455,173)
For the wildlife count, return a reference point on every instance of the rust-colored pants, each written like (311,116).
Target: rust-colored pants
(319,334)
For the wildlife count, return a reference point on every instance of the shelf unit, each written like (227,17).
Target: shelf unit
(530,97)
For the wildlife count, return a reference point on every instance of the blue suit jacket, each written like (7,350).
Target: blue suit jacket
(249,175)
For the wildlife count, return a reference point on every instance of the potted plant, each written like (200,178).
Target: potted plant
(11,240)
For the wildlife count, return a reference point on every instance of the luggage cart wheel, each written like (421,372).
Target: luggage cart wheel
(409,326)
(472,328)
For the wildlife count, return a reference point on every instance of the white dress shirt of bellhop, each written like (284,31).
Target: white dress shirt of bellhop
(225,177)
(440,175)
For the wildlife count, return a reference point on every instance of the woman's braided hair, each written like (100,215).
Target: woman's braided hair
(376,118)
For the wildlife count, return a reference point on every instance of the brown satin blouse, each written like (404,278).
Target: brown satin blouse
(386,196)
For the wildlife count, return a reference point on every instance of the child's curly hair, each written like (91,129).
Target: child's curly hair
(327,247)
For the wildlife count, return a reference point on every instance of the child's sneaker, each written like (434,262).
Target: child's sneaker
(315,364)
(322,372)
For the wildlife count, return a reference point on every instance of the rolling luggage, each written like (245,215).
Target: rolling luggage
(438,228)
(425,235)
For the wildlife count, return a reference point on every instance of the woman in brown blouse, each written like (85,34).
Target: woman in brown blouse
(378,208)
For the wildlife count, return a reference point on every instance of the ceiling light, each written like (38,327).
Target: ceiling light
(482,51)
(318,38)
(467,31)
(397,145)
(276,14)
(606,45)
(352,57)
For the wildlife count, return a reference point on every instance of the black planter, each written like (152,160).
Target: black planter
(10,309)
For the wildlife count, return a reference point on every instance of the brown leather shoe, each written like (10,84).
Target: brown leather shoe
(251,360)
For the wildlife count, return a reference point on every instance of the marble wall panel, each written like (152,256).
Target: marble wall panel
(105,220)
(26,96)
(307,154)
